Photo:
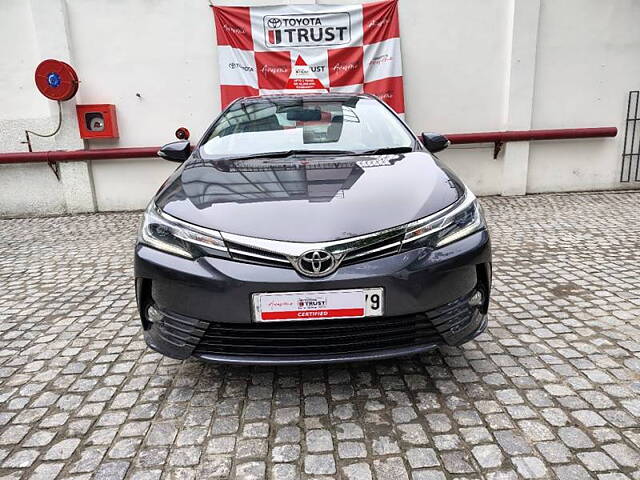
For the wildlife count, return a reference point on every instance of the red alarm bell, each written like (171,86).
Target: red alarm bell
(182,133)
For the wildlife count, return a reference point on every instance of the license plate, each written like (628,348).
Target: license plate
(322,305)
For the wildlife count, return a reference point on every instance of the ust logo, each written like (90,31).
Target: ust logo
(274,37)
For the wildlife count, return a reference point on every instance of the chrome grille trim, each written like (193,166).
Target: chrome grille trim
(395,245)
(295,249)
(284,254)
(246,253)
(262,257)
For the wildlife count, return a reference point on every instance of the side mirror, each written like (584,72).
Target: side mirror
(176,151)
(435,142)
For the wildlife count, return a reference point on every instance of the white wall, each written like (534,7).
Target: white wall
(588,58)
(21,108)
(464,67)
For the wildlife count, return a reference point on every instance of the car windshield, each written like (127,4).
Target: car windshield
(324,125)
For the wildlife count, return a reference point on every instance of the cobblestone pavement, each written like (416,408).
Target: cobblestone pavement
(552,390)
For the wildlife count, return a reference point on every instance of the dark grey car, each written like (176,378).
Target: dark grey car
(310,229)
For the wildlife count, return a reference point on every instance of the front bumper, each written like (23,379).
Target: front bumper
(206,311)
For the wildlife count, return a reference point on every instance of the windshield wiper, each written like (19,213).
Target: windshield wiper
(382,151)
(289,153)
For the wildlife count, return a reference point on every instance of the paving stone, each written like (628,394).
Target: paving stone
(225,444)
(512,443)
(39,438)
(438,422)
(596,461)
(21,459)
(315,406)
(284,472)
(623,454)
(457,462)
(475,435)
(530,467)
(575,438)
(390,469)
(488,456)
(348,431)
(352,450)
(385,445)
(422,457)
(252,448)
(13,434)
(46,471)
(185,456)
(146,475)
(256,430)
(572,472)
(217,466)
(89,460)
(319,441)
(357,471)
(285,453)
(320,464)
(290,434)
(62,450)
(126,448)
(554,452)
(112,470)
(251,470)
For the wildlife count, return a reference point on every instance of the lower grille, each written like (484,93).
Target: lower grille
(317,337)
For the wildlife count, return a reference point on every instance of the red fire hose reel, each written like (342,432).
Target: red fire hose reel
(56,80)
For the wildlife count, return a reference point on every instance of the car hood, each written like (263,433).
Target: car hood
(308,198)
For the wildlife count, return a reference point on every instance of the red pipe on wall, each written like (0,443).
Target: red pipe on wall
(456,138)
(523,135)
(77,155)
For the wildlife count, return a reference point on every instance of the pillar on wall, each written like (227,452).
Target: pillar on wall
(520,89)
(52,37)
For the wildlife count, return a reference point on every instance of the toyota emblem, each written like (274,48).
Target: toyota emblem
(316,263)
(274,22)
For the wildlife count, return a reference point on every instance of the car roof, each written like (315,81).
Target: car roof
(306,96)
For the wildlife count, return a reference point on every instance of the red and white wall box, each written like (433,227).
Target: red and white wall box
(335,48)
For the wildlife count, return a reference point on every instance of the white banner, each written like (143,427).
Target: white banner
(335,48)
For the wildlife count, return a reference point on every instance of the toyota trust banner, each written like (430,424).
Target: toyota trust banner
(276,49)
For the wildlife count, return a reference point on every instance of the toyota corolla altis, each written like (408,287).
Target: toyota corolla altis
(310,229)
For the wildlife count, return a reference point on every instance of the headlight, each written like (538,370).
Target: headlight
(442,229)
(162,231)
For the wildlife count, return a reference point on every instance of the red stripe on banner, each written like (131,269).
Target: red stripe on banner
(380,21)
(233,27)
(228,93)
(308,314)
(389,90)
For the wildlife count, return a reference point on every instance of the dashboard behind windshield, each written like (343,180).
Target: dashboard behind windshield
(255,126)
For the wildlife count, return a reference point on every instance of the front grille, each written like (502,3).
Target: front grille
(380,248)
(322,337)
(245,253)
